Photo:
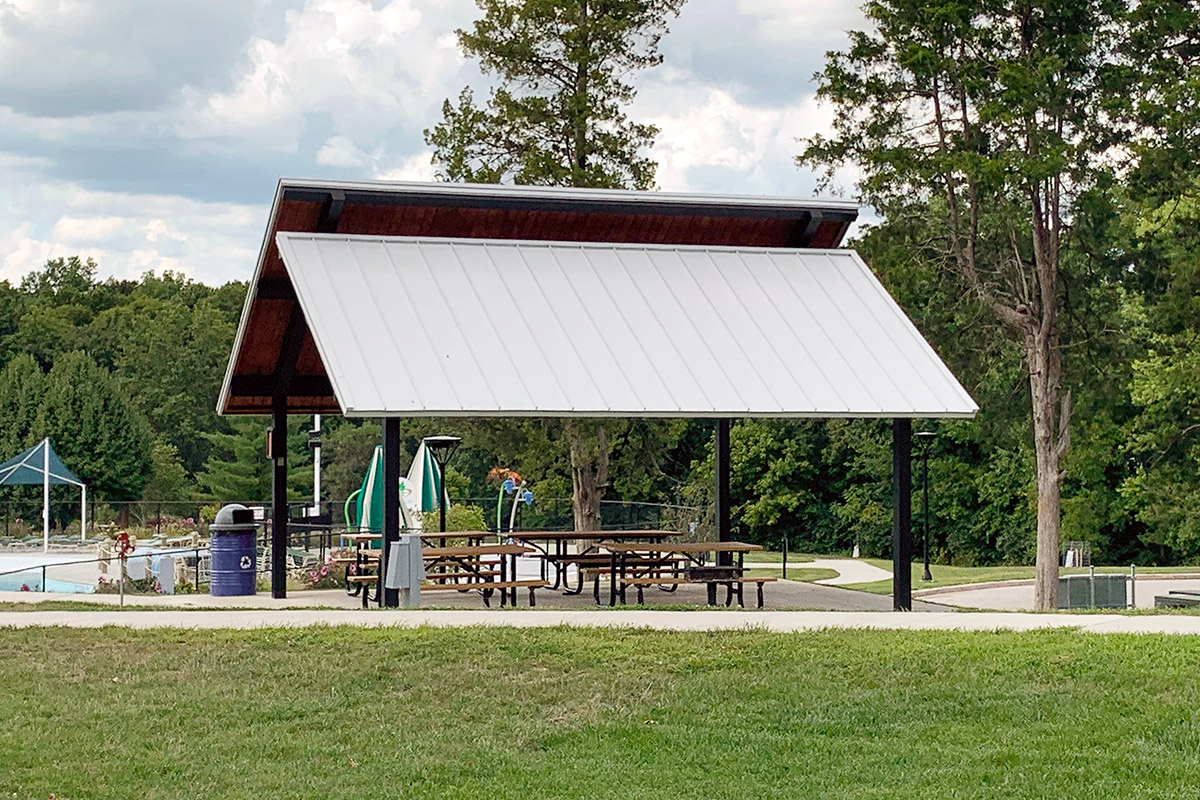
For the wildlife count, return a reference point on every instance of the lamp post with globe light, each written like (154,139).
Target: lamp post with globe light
(443,449)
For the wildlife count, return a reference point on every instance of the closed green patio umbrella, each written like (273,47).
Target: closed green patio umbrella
(369,503)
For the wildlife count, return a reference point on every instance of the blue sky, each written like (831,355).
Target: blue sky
(149,134)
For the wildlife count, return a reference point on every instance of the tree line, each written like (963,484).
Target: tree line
(1031,166)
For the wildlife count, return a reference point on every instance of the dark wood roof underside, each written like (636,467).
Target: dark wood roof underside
(262,357)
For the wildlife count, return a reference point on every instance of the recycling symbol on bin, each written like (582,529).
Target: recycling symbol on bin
(246,563)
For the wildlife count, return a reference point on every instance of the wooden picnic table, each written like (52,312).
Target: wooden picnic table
(641,564)
(467,567)
(362,567)
(553,547)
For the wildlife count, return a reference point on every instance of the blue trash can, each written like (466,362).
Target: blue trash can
(232,547)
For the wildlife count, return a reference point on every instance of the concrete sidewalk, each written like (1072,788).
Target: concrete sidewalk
(782,621)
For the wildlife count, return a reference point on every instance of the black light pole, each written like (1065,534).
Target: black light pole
(926,438)
(443,449)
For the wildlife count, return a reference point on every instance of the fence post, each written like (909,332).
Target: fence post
(785,552)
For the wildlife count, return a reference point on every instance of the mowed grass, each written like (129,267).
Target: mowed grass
(803,574)
(957,576)
(515,713)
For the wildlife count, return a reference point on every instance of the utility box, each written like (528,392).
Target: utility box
(1093,591)
(406,570)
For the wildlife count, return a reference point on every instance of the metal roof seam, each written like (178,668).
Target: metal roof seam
(921,342)
(625,320)
(579,357)
(533,340)
(884,367)
(897,313)
(599,331)
(497,334)
(829,341)
(342,391)
(457,327)
(668,333)
(414,378)
(737,296)
(800,340)
(696,331)
(734,340)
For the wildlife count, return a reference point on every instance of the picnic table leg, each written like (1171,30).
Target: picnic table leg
(741,573)
(712,593)
(760,596)
(513,572)
(612,580)
(503,579)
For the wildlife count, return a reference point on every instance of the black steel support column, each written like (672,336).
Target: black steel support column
(721,464)
(279,512)
(391,504)
(902,539)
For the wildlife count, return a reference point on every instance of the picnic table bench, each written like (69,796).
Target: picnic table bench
(485,568)
(553,546)
(646,564)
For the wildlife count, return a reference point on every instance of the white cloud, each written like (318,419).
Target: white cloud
(339,151)
(417,167)
(369,70)
(712,142)
(126,126)
(214,242)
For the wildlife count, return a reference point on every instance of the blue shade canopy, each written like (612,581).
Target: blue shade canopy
(29,468)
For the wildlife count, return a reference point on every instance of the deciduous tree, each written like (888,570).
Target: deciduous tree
(989,116)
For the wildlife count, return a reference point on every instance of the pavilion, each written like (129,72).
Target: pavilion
(393,300)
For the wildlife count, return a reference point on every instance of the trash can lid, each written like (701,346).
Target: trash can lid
(233,518)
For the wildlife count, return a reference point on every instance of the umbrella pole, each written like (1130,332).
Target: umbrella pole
(46,496)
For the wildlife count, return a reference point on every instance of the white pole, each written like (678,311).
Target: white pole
(46,495)
(83,515)
(317,464)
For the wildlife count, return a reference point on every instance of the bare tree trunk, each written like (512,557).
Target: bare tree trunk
(589,474)
(1044,394)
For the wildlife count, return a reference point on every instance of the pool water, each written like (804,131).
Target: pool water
(33,579)
(25,569)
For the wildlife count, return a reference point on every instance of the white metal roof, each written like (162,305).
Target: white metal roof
(454,327)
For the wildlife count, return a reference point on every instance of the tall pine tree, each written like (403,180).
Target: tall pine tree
(558,118)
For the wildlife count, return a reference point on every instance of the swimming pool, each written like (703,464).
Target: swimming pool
(33,579)
(62,574)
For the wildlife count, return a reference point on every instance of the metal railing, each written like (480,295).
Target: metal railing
(195,551)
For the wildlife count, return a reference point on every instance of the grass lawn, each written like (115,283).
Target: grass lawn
(955,576)
(804,574)
(776,557)
(514,713)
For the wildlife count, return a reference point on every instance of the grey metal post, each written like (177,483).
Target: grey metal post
(279,520)
(902,541)
(390,598)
